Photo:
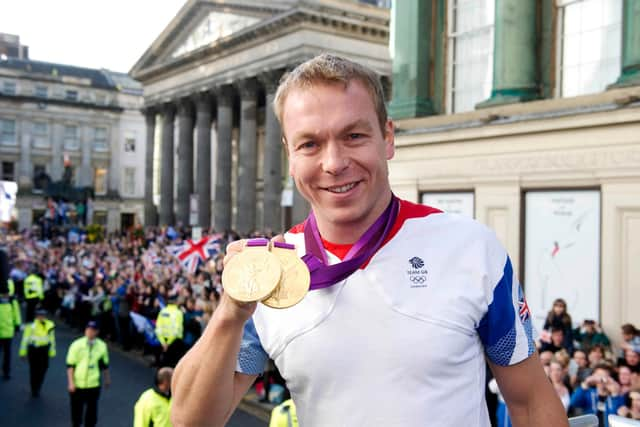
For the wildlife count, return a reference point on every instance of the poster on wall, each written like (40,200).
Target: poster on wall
(562,253)
(461,203)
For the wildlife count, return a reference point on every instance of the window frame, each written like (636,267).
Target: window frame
(13,171)
(14,141)
(66,138)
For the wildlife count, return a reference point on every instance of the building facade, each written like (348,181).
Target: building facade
(526,115)
(49,111)
(214,151)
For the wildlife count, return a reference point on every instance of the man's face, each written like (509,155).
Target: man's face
(91,333)
(557,337)
(580,358)
(595,356)
(337,152)
(631,357)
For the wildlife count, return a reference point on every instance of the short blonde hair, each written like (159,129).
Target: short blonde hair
(331,69)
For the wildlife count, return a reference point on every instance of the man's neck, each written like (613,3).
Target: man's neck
(350,233)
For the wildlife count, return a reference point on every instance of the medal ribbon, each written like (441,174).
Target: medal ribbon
(324,275)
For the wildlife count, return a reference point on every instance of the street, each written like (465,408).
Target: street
(129,377)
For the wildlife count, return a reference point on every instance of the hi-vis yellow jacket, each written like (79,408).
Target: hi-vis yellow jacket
(39,334)
(87,361)
(169,324)
(152,409)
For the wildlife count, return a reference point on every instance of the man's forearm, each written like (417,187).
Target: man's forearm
(203,382)
(70,376)
(544,409)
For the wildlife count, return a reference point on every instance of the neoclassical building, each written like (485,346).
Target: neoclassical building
(214,152)
(526,115)
(50,110)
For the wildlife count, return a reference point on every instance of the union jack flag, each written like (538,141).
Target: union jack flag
(523,309)
(191,254)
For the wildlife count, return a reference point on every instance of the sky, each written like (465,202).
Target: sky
(110,34)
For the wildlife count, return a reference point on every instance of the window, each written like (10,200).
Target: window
(100,139)
(130,145)
(471,47)
(129,181)
(590,50)
(42,91)
(71,137)
(7,132)
(100,181)
(38,177)
(8,173)
(9,88)
(71,95)
(40,134)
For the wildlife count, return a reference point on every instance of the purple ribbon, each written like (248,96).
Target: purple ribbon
(324,275)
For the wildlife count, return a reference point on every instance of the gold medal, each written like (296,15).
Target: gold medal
(295,279)
(253,274)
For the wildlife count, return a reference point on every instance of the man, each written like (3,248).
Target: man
(599,394)
(170,330)
(556,343)
(400,338)
(10,318)
(38,345)
(153,407)
(33,293)
(590,334)
(87,358)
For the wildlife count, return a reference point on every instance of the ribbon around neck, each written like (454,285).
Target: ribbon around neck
(324,275)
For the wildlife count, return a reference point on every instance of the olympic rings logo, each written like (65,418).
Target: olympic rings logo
(418,279)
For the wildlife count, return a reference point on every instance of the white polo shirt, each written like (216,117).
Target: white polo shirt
(402,341)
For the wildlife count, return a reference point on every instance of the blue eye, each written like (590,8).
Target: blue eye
(355,135)
(307,145)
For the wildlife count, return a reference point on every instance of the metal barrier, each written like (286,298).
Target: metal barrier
(616,421)
(584,421)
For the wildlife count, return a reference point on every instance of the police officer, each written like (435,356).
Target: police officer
(284,415)
(9,317)
(33,292)
(153,407)
(38,345)
(86,359)
(170,330)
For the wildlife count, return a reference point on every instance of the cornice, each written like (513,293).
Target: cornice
(317,17)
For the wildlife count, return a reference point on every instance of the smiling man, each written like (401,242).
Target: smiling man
(406,302)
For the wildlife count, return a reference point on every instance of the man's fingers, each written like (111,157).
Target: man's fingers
(278,238)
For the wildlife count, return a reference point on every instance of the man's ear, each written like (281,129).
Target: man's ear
(389,139)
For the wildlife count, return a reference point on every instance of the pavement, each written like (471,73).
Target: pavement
(130,376)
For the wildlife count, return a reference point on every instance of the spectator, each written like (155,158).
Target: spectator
(596,355)
(557,376)
(599,394)
(625,379)
(590,334)
(632,360)
(557,341)
(558,317)
(581,369)
(630,337)
(632,408)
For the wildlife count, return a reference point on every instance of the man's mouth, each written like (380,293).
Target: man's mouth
(342,188)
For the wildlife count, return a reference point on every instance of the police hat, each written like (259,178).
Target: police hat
(93,324)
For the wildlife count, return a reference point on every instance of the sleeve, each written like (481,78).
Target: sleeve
(505,329)
(140,416)
(104,360)
(25,339)
(17,317)
(577,398)
(251,357)
(52,341)
(72,357)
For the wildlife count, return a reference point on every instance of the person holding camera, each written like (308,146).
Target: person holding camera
(598,394)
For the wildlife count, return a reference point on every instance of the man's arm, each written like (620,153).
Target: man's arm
(71,386)
(206,388)
(529,395)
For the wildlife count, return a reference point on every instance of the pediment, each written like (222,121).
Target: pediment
(201,23)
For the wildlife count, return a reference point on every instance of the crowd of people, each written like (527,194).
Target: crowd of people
(589,375)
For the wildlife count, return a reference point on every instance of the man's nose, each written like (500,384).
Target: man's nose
(335,158)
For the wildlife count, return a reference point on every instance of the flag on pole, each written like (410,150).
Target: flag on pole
(145,327)
(191,254)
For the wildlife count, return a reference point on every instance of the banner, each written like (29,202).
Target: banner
(562,253)
(461,203)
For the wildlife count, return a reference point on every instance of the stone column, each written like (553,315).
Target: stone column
(271,212)
(514,53)
(410,55)
(25,171)
(222,216)
(185,160)
(630,44)
(87,134)
(149,207)
(166,174)
(247,158)
(203,162)
(57,152)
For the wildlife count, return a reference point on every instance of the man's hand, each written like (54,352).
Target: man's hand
(71,387)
